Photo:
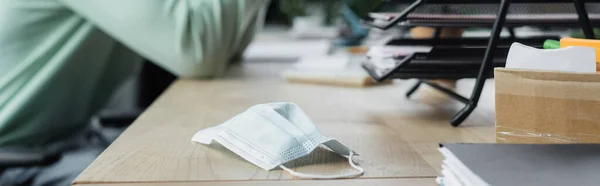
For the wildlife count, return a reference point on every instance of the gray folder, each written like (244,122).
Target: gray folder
(531,165)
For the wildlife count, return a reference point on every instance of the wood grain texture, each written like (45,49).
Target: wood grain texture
(395,137)
(354,182)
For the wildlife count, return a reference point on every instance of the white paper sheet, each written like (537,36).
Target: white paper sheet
(286,49)
(393,51)
(337,62)
(570,59)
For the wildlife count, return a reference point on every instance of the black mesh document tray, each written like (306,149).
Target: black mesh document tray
(471,58)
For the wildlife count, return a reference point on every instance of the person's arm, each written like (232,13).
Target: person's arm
(190,38)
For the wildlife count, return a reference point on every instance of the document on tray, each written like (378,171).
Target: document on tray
(571,59)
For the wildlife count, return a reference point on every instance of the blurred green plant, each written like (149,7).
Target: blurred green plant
(363,7)
(579,34)
(295,8)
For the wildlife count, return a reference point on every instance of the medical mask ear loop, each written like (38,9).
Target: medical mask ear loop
(313,176)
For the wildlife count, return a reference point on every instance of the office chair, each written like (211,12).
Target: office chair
(21,157)
(152,81)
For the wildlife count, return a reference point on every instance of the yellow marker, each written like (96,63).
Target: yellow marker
(567,42)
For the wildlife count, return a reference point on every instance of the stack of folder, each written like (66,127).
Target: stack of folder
(520,164)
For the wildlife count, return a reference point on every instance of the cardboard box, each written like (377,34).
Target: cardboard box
(547,107)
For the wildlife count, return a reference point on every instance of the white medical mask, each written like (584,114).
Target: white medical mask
(269,135)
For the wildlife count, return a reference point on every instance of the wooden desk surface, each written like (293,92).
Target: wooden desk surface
(396,137)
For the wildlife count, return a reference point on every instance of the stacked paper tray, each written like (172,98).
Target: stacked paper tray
(553,14)
(447,59)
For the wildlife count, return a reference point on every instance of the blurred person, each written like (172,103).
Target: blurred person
(60,60)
